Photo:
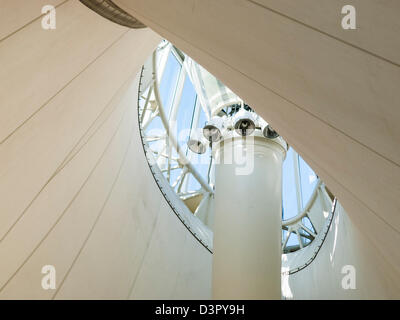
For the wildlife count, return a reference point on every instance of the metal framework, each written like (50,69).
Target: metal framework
(169,157)
(315,246)
(296,225)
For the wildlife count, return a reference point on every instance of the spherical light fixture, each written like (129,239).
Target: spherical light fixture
(197,146)
(212,131)
(244,122)
(197,143)
(270,133)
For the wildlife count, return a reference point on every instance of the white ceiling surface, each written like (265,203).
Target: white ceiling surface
(333,94)
(70,161)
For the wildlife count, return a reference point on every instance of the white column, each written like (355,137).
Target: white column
(247,227)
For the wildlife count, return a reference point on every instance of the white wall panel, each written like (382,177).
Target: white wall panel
(76,190)
(345,246)
(16,14)
(375,20)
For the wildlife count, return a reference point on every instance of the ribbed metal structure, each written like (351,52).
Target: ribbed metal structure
(110,11)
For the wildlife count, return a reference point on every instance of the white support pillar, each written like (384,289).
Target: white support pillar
(247,226)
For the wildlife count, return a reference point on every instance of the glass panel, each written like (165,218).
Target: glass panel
(157,146)
(213,94)
(293,240)
(155,127)
(185,114)
(307,223)
(174,174)
(193,184)
(308,180)
(202,119)
(289,197)
(201,163)
(168,82)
